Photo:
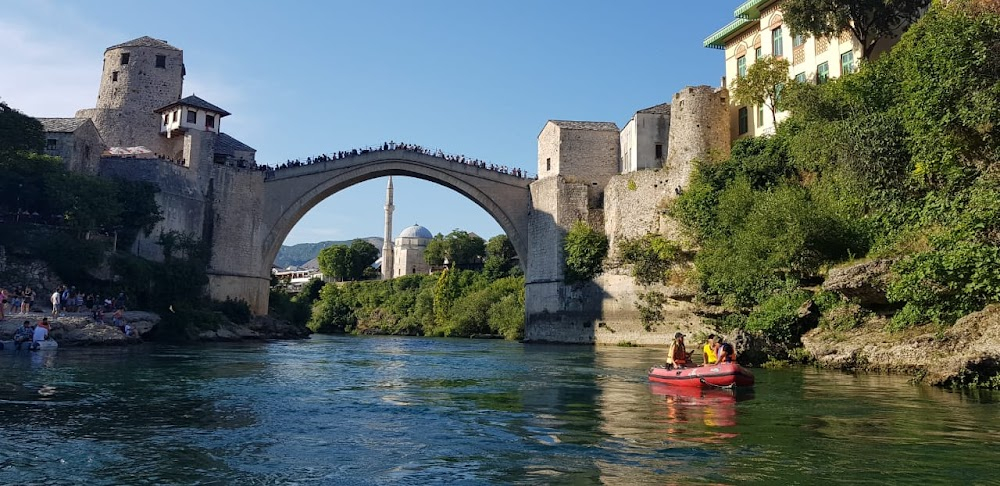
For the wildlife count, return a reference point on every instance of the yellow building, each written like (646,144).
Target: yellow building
(758,31)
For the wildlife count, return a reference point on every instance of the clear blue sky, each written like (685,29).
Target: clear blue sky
(301,78)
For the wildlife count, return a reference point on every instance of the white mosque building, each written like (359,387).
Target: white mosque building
(406,256)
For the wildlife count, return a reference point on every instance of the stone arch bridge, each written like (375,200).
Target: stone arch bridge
(251,212)
(289,193)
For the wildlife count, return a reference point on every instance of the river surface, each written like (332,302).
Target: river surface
(388,410)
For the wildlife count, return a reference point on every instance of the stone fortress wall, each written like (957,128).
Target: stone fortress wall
(133,85)
(631,205)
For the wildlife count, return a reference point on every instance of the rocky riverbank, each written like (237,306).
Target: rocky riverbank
(79,329)
(966,354)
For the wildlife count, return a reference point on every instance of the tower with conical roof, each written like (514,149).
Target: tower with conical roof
(387,257)
(139,77)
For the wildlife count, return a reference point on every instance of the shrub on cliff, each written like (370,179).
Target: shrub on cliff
(584,249)
(651,257)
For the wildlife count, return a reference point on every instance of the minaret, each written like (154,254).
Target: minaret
(387,260)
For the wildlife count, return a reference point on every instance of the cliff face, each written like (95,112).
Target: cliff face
(967,353)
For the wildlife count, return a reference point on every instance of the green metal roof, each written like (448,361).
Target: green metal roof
(745,14)
(749,9)
(715,41)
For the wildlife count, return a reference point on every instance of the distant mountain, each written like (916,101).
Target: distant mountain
(304,254)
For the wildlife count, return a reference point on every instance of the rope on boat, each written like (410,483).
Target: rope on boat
(727,387)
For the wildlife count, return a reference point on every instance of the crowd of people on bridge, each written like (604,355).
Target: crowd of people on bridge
(461,159)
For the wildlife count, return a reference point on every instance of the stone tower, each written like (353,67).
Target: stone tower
(699,130)
(387,257)
(139,76)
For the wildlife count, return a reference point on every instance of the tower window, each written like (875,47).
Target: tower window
(209,121)
(114,75)
(51,144)
(161,61)
(659,150)
(124,58)
(548,164)
(192,116)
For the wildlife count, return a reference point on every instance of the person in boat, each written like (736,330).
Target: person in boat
(727,354)
(709,352)
(678,356)
(23,334)
(41,333)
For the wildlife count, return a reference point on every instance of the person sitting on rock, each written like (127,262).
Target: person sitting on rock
(41,333)
(23,334)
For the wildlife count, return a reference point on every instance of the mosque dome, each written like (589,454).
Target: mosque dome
(416,231)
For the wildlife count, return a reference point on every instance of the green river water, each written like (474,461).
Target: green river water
(393,410)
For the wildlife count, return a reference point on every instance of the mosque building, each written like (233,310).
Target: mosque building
(406,256)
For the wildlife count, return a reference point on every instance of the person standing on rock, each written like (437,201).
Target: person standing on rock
(27,301)
(56,299)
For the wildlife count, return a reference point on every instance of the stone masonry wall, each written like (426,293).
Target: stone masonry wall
(129,93)
(180,198)
(236,233)
(633,205)
(699,129)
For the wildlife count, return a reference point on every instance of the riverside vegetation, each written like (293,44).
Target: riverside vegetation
(461,301)
(897,163)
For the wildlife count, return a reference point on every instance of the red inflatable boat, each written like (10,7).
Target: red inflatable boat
(723,375)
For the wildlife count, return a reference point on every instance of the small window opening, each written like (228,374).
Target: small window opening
(192,116)
(114,75)
(659,150)
(51,143)
(548,164)
(161,61)
(124,58)
(209,121)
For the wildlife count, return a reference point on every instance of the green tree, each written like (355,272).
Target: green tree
(584,250)
(762,84)
(335,262)
(868,20)
(436,251)
(362,254)
(459,248)
(500,257)
(19,132)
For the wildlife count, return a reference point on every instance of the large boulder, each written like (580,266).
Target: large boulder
(966,353)
(864,283)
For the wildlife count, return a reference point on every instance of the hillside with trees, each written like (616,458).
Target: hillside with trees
(893,166)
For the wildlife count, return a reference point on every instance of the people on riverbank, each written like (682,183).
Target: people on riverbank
(41,332)
(23,334)
(678,356)
(709,352)
(56,299)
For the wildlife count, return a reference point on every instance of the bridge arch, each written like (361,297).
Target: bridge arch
(290,193)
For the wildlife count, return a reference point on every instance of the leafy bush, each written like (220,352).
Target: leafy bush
(651,257)
(777,316)
(584,249)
